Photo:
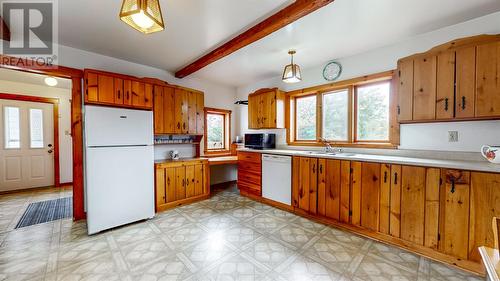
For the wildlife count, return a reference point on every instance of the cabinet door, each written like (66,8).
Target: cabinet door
(333,184)
(169,124)
(138,94)
(190,181)
(454,212)
(322,188)
(413,204)
(484,205)
(180,183)
(181,111)
(356,193)
(307,184)
(313,186)
(432,188)
(424,88)
(148,95)
(127,90)
(385,198)
(92,87)
(106,89)
(370,195)
(192,113)
(466,82)
(445,91)
(158,110)
(487,84)
(170,185)
(118,85)
(405,91)
(268,109)
(199,180)
(200,114)
(161,195)
(395,215)
(345,190)
(253,112)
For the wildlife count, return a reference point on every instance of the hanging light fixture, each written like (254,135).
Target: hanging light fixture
(292,74)
(143,15)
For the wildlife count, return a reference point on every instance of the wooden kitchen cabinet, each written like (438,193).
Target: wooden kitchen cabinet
(181,182)
(334,189)
(178,111)
(250,173)
(457,80)
(305,184)
(413,204)
(112,89)
(266,109)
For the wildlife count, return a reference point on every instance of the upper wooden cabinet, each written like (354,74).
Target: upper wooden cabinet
(178,111)
(266,109)
(454,81)
(111,89)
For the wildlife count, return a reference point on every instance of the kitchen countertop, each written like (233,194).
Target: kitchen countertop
(482,166)
(166,161)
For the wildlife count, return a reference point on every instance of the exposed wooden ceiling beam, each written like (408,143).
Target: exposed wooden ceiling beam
(284,17)
(4,30)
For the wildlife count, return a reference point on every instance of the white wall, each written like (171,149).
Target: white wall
(428,136)
(64,96)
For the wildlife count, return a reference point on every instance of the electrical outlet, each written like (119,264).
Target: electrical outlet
(452,136)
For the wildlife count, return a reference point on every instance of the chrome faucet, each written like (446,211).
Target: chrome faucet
(329,148)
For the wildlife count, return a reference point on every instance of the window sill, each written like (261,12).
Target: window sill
(216,153)
(354,145)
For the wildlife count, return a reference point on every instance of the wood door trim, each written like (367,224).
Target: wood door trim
(55,110)
(282,18)
(4,30)
(76,75)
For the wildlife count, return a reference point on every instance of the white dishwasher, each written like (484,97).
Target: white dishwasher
(277,178)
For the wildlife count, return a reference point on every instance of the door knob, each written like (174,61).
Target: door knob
(50,151)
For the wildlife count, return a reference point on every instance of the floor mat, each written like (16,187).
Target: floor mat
(45,211)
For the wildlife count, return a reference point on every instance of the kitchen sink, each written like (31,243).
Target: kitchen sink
(328,153)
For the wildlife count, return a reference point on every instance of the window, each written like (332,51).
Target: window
(36,128)
(11,127)
(355,112)
(217,131)
(336,115)
(373,112)
(306,118)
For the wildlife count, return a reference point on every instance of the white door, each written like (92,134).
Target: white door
(26,145)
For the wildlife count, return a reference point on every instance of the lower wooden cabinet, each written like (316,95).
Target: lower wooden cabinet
(181,182)
(250,173)
(442,213)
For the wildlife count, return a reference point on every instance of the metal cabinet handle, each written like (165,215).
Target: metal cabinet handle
(385,177)
(118,93)
(168,181)
(321,168)
(463,102)
(446,104)
(395,178)
(452,186)
(314,168)
(399,110)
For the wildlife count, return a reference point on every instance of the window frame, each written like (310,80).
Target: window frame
(295,116)
(6,127)
(226,150)
(351,86)
(31,128)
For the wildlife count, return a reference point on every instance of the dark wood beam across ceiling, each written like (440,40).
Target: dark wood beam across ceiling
(284,17)
(4,30)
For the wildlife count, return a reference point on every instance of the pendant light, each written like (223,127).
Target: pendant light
(292,74)
(142,15)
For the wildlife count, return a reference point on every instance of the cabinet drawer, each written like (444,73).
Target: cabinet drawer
(250,188)
(248,177)
(244,166)
(252,157)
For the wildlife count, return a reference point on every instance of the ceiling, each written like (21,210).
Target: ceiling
(31,78)
(194,27)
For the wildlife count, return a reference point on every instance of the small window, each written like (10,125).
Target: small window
(373,112)
(36,128)
(217,131)
(12,131)
(306,118)
(336,115)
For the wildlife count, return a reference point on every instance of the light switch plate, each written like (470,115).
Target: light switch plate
(452,136)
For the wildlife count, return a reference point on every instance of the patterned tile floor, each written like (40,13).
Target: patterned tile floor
(227,237)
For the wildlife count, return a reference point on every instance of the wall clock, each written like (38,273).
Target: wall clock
(332,71)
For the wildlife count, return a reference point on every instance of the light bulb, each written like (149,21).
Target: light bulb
(142,20)
(51,81)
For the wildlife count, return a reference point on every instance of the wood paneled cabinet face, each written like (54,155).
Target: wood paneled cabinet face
(250,173)
(457,83)
(179,182)
(178,111)
(266,109)
(305,184)
(117,90)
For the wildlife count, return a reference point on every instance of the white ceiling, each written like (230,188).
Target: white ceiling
(31,78)
(194,27)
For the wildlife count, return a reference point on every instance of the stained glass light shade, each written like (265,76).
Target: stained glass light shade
(142,15)
(292,74)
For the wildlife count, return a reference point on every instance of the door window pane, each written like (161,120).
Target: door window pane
(36,128)
(306,118)
(215,131)
(335,115)
(373,112)
(11,127)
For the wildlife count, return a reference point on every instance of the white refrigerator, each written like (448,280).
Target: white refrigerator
(119,167)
